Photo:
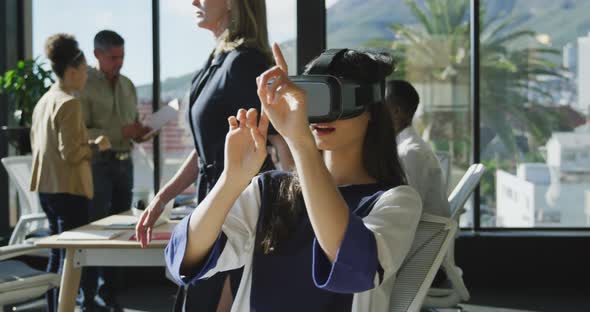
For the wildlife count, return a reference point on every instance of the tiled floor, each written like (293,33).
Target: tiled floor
(146,290)
(156,297)
(542,300)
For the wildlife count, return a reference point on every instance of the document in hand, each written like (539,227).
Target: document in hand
(164,115)
(89,235)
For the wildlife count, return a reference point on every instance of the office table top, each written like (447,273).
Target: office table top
(123,240)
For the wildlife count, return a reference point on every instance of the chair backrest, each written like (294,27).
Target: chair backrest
(20,282)
(416,274)
(19,171)
(444,159)
(464,189)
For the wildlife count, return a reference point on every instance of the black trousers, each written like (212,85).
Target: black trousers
(64,212)
(113,185)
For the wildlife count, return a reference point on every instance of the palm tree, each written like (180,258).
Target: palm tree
(512,66)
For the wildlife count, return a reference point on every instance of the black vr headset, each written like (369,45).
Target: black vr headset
(330,98)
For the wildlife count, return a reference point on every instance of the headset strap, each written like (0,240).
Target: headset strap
(324,61)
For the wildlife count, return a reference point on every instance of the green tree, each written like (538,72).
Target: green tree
(24,86)
(512,66)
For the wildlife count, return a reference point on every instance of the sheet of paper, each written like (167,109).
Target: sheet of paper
(121,225)
(89,235)
(155,236)
(164,115)
(131,225)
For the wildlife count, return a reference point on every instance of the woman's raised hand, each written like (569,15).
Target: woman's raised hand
(245,145)
(282,101)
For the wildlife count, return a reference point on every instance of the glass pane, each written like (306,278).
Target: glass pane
(184,49)
(430,43)
(282,29)
(133,22)
(535,131)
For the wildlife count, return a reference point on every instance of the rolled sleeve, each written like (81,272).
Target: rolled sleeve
(374,247)
(356,263)
(234,245)
(176,249)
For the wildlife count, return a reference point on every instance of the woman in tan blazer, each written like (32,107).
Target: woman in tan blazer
(61,149)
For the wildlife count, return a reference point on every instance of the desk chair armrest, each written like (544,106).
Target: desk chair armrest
(13,251)
(20,230)
(33,217)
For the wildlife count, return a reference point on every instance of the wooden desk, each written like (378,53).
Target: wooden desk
(119,251)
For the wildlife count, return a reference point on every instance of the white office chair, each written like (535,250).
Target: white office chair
(444,159)
(464,189)
(450,297)
(31,216)
(18,281)
(433,237)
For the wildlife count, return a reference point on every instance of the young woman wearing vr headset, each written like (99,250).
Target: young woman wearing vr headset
(329,237)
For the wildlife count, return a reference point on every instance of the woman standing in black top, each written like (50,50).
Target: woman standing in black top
(226,83)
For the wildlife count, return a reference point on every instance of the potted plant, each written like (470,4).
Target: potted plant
(23,87)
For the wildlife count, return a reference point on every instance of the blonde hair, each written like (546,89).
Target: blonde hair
(247,28)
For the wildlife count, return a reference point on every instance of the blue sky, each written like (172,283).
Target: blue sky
(183,48)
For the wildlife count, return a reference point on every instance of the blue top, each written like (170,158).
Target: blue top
(297,276)
(327,287)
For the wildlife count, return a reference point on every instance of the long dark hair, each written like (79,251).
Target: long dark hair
(380,157)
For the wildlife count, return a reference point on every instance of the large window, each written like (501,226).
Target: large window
(84,19)
(431,48)
(282,29)
(184,50)
(534,110)
(535,101)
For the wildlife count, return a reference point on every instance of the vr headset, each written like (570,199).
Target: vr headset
(330,98)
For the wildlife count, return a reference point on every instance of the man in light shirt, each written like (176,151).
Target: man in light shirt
(423,169)
(109,105)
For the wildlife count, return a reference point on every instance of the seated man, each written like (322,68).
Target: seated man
(422,168)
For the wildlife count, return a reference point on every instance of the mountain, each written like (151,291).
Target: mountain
(170,88)
(353,23)
(564,21)
(177,87)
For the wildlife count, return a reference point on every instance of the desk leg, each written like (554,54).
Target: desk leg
(70,282)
